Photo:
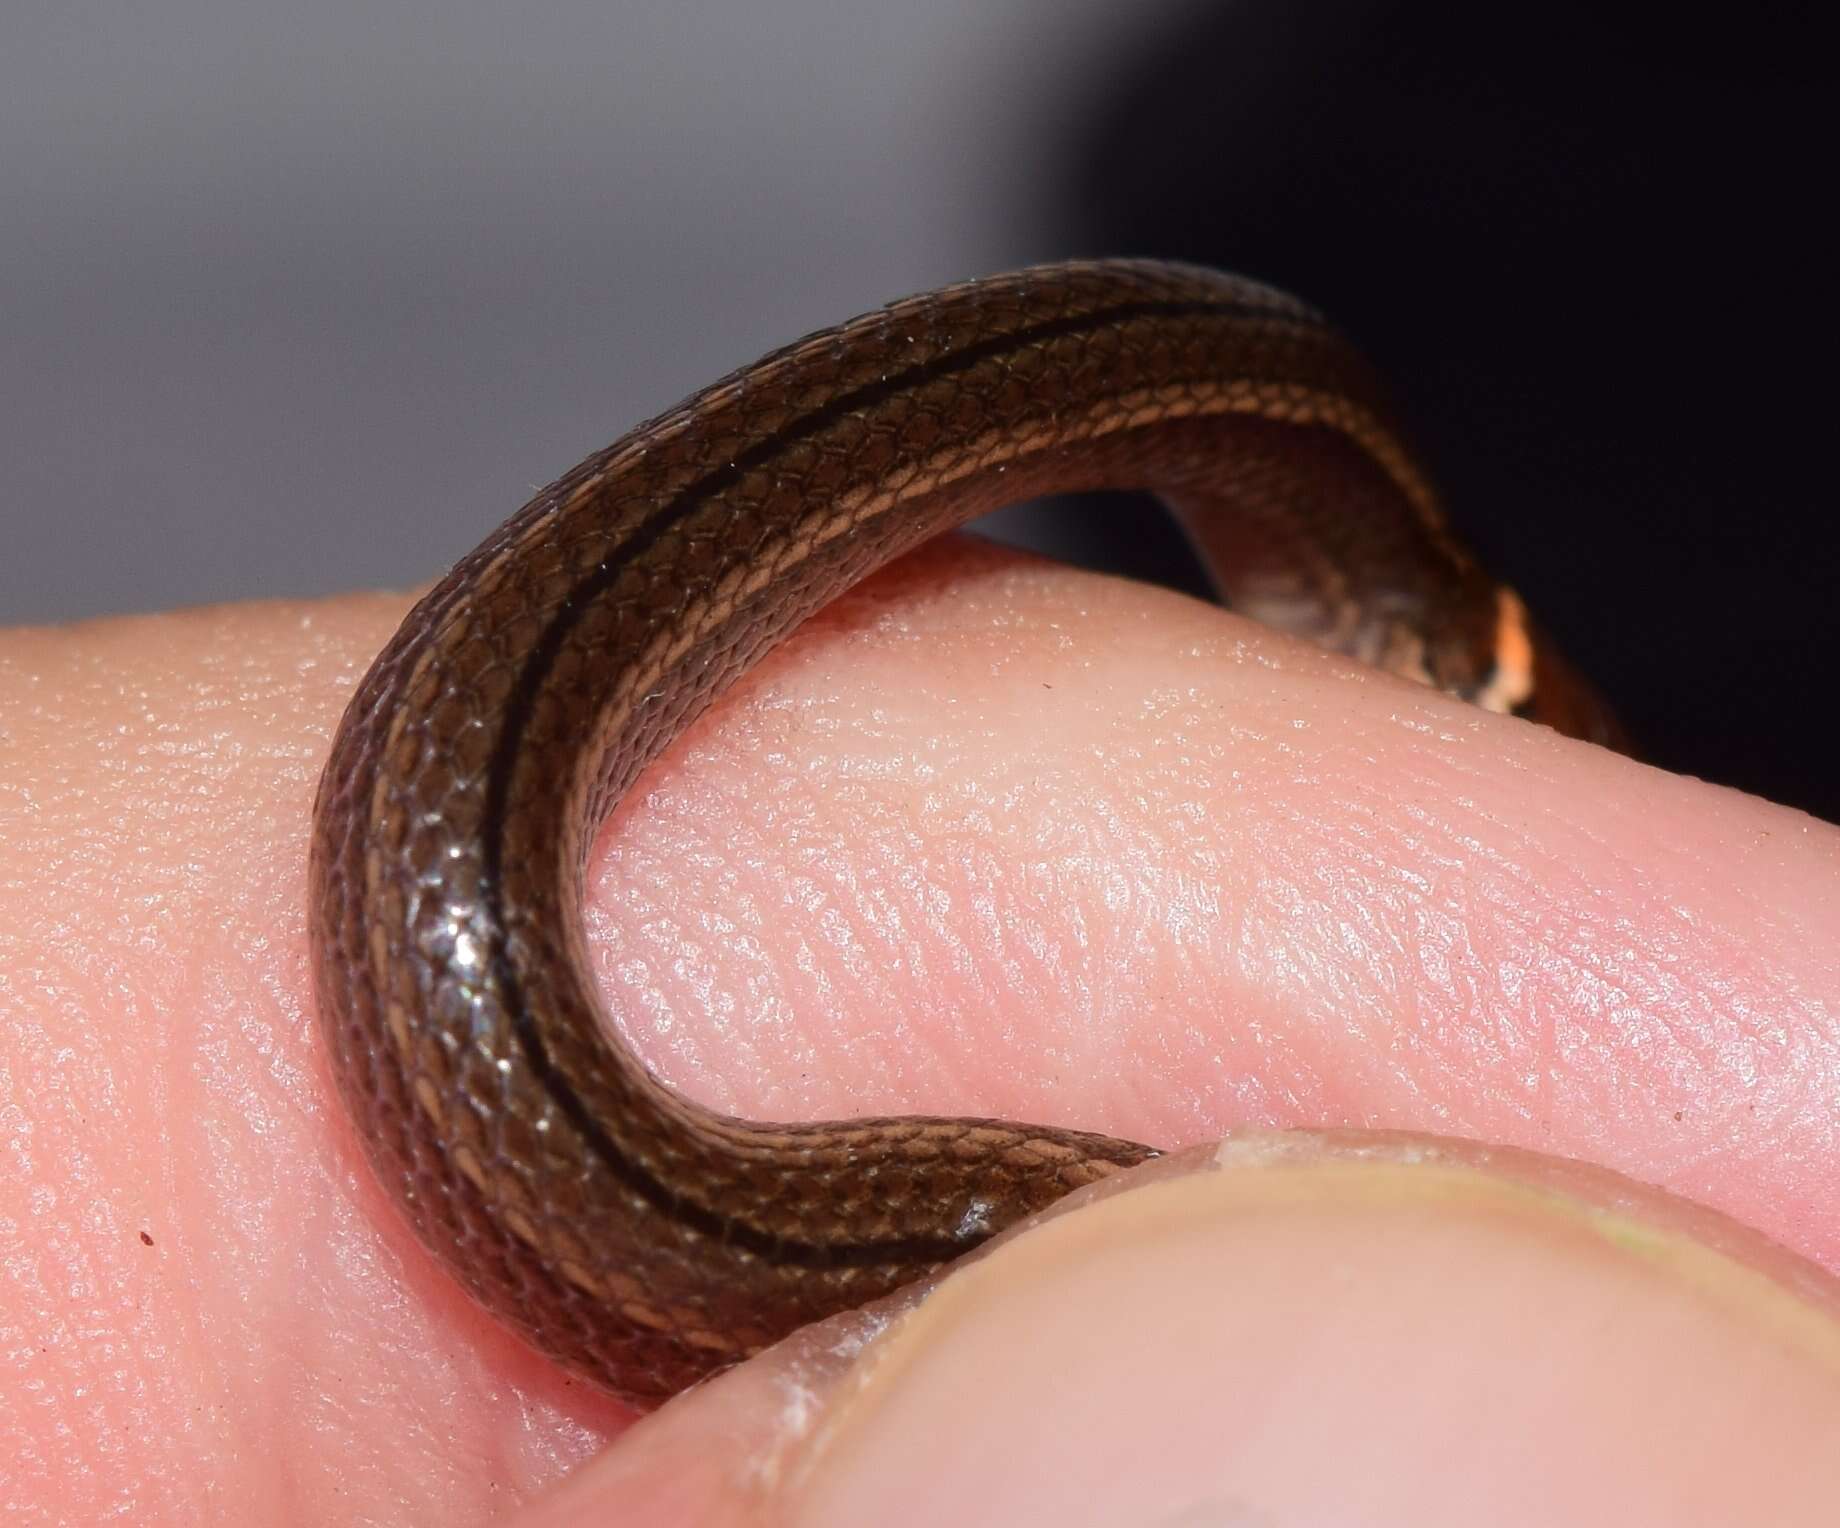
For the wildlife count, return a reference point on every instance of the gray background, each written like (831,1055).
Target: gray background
(295,299)
(303,298)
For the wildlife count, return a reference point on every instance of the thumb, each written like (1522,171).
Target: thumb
(1297,1329)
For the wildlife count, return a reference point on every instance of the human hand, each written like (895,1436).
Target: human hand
(990,836)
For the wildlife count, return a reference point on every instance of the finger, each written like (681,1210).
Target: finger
(992,837)
(207,1307)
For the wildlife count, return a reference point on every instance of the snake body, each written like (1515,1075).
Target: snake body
(640,1239)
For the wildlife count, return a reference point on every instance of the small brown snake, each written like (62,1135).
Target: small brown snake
(640,1239)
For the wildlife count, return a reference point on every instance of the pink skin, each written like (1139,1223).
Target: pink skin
(988,837)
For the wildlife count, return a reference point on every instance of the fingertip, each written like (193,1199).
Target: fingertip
(1311,1330)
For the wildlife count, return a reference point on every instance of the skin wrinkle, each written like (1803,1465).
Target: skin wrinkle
(1391,915)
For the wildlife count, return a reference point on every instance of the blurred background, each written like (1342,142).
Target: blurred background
(301,299)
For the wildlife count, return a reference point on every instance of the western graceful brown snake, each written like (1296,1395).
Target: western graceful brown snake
(637,1237)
